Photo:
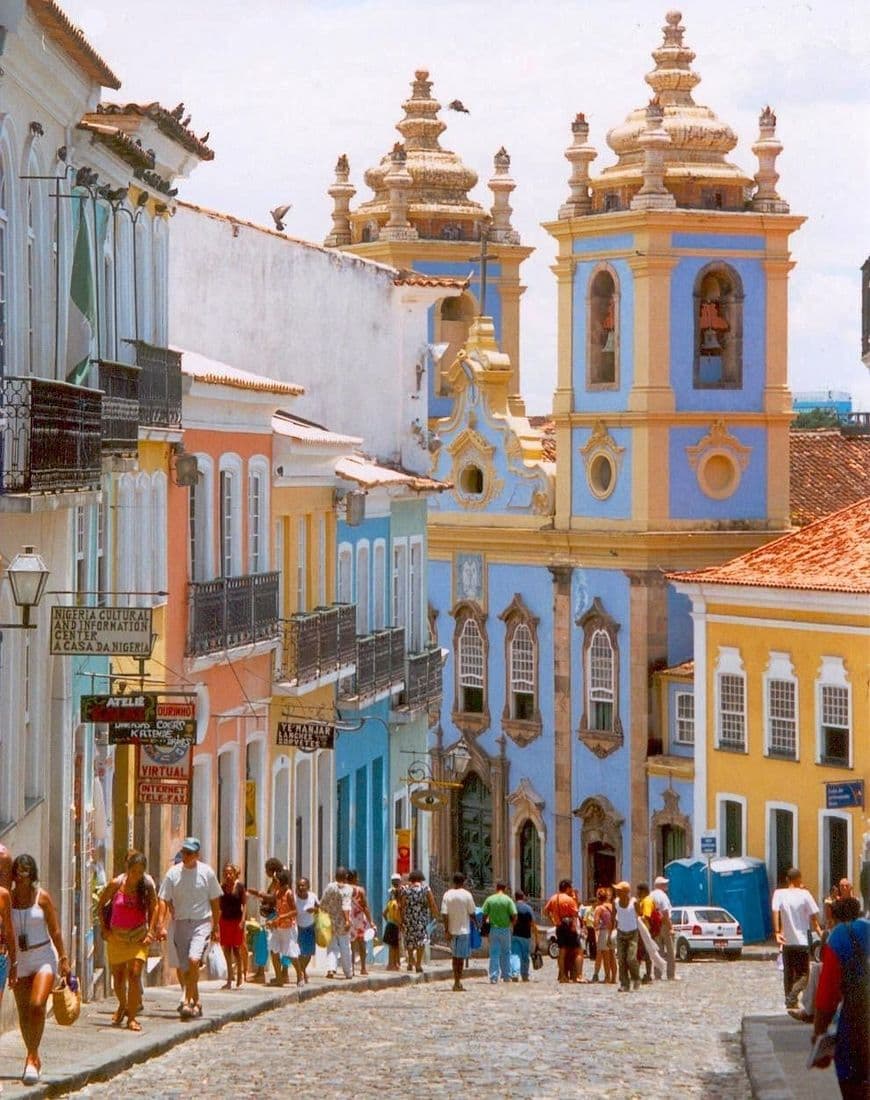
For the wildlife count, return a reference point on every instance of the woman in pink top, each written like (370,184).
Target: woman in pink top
(603,925)
(128,908)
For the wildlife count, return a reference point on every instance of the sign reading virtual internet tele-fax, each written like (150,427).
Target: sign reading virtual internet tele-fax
(113,631)
(164,774)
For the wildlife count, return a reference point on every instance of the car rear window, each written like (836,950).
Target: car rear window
(677,916)
(714,916)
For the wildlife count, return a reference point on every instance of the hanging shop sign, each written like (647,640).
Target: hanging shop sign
(139,707)
(307,736)
(164,773)
(841,796)
(112,631)
(145,716)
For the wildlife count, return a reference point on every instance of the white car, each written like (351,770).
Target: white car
(705,928)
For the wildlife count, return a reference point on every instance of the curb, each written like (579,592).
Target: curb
(766,1076)
(65,1083)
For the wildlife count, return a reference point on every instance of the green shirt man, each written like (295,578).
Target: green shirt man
(500,908)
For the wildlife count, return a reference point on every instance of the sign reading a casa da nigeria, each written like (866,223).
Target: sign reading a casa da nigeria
(113,631)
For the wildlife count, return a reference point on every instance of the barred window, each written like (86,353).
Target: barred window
(732,711)
(834,725)
(600,681)
(781,718)
(685,727)
(472,667)
(522,673)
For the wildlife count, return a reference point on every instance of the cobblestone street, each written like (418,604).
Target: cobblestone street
(535,1040)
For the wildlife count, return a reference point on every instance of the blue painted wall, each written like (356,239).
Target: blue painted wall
(680,630)
(609,400)
(675,747)
(583,500)
(748,501)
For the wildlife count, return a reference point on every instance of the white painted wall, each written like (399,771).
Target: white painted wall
(294,311)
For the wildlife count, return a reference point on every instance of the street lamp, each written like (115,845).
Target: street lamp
(458,758)
(28,575)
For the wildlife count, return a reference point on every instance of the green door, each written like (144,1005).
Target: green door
(530,861)
(475,832)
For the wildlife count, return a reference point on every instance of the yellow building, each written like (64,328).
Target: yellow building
(782,665)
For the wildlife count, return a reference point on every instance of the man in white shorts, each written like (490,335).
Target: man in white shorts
(190,893)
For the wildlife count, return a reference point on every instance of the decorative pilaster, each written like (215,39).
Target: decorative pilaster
(767,148)
(654,141)
(563,748)
(341,192)
(580,155)
(501,186)
(399,182)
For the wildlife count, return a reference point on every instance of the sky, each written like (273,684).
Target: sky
(284,86)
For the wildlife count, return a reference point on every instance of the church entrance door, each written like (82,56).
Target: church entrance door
(475,832)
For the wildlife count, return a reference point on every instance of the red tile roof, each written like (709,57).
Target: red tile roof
(830,555)
(120,142)
(404,277)
(60,29)
(828,471)
(166,122)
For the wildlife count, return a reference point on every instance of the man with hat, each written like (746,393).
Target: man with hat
(627,917)
(665,936)
(190,893)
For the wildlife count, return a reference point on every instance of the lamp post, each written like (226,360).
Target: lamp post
(28,575)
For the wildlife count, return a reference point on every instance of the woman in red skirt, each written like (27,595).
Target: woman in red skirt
(232,924)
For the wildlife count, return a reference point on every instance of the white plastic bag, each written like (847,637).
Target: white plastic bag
(216,964)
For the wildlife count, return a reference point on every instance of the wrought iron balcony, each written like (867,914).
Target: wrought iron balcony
(51,435)
(232,611)
(380,664)
(422,679)
(317,643)
(120,386)
(159,385)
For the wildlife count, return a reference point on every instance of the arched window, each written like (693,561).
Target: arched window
(603,328)
(600,724)
(521,717)
(530,860)
(258,515)
(453,316)
(31,289)
(4,259)
(472,668)
(718,306)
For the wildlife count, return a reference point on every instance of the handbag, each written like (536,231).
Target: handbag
(67,1004)
(393,913)
(537,959)
(322,928)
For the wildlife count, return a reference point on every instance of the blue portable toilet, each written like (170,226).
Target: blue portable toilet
(738,885)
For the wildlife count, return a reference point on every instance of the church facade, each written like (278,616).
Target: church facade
(564,745)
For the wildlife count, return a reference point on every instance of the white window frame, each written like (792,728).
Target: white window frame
(31,276)
(160,279)
(344,574)
(5,279)
(259,522)
(159,537)
(399,600)
(202,567)
(145,277)
(678,718)
(230,464)
(363,586)
(125,547)
(80,545)
(600,693)
(721,798)
(302,536)
(468,678)
(824,865)
(145,542)
(780,670)
(516,684)
(729,663)
(416,593)
(769,833)
(379,584)
(321,560)
(832,673)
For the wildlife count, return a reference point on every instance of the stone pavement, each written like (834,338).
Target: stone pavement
(93,1050)
(775,1049)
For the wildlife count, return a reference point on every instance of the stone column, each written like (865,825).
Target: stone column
(654,141)
(499,771)
(563,740)
(767,148)
(399,182)
(579,155)
(341,192)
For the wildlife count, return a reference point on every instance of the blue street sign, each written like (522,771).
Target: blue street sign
(839,796)
(708,845)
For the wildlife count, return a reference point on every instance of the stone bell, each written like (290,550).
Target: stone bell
(710,342)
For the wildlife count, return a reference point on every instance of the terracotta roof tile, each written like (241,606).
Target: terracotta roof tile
(366,472)
(830,555)
(404,277)
(310,434)
(165,121)
(119,141)
(828,471)
(213,372)
(64,33)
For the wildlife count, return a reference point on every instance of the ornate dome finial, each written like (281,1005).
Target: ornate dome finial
(767,148)
(579,155)
(341,192)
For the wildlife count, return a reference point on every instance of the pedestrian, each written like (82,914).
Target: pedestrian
(458,911)
(5,868)
(283,939)
(392,915)
(232,923)
(40,957)
(417,905)
(650,917)
(562,910)
(845,982)
(189,894)
(500,910)
(524,938)
(306,906)
(360,922)
(337,902)
(827,908)
(602,923)
(795,914)
(627,916)
(129,911)
(587,919)
(665,937)
(267,913)
(8,944)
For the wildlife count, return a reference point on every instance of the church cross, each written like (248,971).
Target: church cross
(485,257)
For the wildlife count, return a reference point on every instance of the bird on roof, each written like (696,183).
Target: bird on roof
(185,122)
(177,112)
(205,137)
(279,214)
(458,105)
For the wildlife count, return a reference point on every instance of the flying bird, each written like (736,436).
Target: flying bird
(279,214)
(458,105)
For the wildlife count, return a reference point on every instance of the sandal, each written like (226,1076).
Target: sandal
(133,1025)
(118,1017)
(195,1011)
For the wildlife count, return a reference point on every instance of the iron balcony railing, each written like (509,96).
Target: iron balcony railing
(51,434)
(317,643)
(120,407)
(159,385)
(232,611)
(380,664)
(422,679)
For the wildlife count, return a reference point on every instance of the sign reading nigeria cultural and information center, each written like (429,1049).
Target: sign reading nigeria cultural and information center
(113,631)
(307,736)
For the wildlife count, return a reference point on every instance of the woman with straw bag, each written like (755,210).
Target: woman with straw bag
(128,909)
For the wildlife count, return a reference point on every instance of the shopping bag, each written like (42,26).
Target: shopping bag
(322,929)
(537,960)
(261,947)
(216,964)
(66,1002)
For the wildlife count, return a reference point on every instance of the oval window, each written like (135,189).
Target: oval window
(718,476)
(602,476)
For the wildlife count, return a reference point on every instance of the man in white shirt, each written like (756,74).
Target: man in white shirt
(665,936)
(190,893)
(457,909)
(794,913)
(626,937)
